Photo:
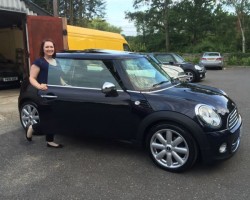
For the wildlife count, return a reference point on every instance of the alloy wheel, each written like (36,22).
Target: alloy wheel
(190,76)
(29,115)
(169,148)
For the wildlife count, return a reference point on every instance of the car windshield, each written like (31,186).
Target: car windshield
(178,58)
(144,74)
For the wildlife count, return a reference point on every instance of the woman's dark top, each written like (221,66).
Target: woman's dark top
(49,74)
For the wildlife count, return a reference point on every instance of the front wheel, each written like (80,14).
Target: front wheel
(171,147)
(191,77)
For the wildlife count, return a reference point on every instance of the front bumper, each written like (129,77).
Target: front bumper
(222,144)
(202,74)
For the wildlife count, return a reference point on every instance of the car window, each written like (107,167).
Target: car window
(164,58)
(212,54)
(143,74)
(85,73)
(178,58)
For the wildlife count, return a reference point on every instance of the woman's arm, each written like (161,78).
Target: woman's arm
(63,82)
(34,71)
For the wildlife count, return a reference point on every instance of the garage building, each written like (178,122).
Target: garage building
(23,25)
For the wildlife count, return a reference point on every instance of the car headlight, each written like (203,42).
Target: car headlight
(208,116)
(197,67)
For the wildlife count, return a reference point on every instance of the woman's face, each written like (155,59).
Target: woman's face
(48,48)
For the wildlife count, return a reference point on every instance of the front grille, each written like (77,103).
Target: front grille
(233,119)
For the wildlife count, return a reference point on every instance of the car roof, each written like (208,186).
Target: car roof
(97,54)
(162,53)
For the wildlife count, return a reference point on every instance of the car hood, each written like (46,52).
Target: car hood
(183,97)
(187,64)
(171,72)
(174,68)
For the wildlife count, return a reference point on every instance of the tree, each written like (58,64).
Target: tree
(101,24)
(81,12)
(77,12)
(84,13)
(152,20)
(45,4)
(242,10)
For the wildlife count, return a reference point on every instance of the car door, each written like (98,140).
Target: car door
(80,107)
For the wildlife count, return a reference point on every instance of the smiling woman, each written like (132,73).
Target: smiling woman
(39,79)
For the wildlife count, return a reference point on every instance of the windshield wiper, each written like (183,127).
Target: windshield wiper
(160,83)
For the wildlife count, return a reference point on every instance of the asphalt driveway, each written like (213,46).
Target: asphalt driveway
(101,169)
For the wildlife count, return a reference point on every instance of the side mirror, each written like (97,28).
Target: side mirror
(108,87)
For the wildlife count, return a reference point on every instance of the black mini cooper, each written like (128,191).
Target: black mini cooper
(125,96)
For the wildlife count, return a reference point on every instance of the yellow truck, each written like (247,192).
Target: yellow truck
(84,38)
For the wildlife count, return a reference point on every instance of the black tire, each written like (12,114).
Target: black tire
(174,146)
(191,77)
(29,114)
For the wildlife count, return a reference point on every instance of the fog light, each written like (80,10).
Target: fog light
(223,148)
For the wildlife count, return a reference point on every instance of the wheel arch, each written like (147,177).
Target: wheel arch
(172,117)
(24,100)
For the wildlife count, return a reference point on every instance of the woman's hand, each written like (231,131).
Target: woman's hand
(43,86)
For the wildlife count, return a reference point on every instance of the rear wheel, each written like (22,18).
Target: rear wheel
(171,147)
(29,114)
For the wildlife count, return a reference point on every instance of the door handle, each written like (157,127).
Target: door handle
(48,96)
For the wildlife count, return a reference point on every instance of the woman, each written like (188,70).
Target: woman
(39,79)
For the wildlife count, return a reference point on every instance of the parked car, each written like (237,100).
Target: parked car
(125,96)
(212,59)
(174,72)
(9,73)
(194,72)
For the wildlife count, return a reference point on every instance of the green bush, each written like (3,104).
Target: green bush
(241,59)
(232,60)
(194,60)
(246,61)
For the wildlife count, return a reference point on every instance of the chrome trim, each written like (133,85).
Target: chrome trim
(133,91)
(235,145)
(48,96)
(161,89)
(232,119)
(153,91)
(68,86)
